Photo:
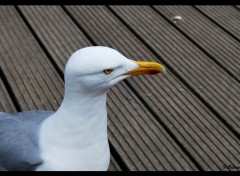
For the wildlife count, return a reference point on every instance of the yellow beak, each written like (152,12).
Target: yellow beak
(146,68)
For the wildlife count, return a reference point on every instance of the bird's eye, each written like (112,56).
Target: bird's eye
(108,71)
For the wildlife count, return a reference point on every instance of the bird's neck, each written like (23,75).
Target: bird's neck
(81,117)
(82,109)
(76,133)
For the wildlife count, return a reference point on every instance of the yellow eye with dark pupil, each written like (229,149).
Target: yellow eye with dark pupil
(108,71)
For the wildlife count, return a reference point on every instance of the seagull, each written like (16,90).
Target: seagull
(74,138)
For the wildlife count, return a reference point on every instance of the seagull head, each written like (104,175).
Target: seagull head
(97,68)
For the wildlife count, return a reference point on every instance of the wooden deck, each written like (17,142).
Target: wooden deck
(187,119)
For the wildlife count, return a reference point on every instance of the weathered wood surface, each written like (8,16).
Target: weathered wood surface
(205,77)
(187,119)
(227,17)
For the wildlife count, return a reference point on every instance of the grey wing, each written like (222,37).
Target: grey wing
(19,148)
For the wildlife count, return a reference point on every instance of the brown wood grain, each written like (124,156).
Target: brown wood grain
(224,15)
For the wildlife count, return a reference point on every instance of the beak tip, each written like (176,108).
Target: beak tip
(163,70)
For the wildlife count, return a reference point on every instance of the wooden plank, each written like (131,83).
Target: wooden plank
(146,132)
(209,36)
(195,127)
(114,165)
(6,104)
(238,6)
(134,132)
(211,82)
(225,16)
(31,75)
(22,63)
